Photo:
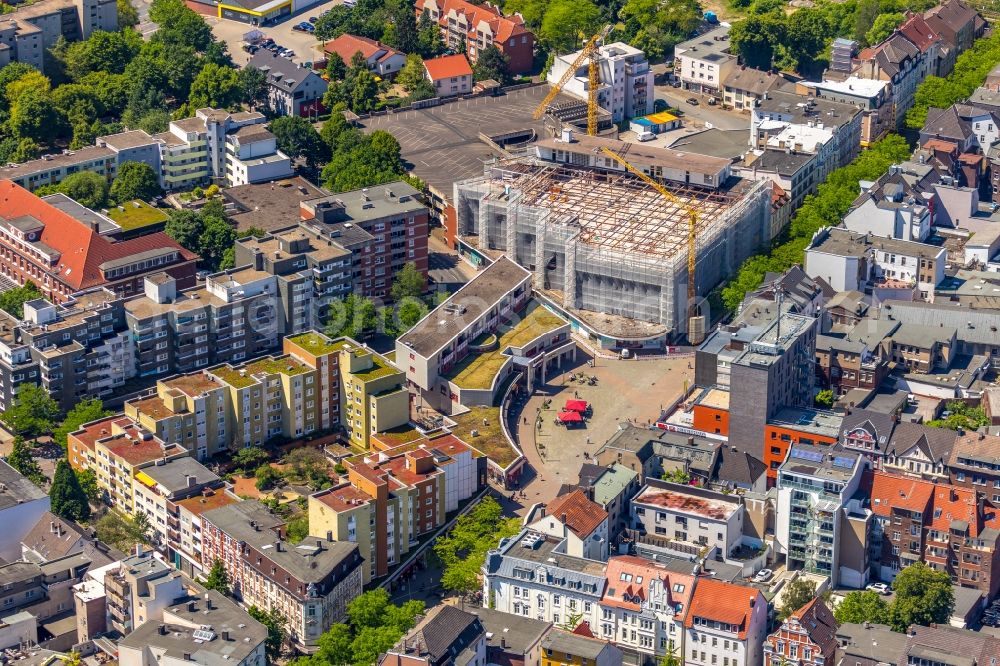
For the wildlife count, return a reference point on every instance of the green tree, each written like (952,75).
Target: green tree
(275,622)
(677,475)
(402,18)
(336,68)
(33,116)
(923,596)
(410,311)
(250,457)
(463,551)
(10,73)
(218,578)
(88,481)
(13,300)
(429,39)
(756,37)
(254,88)
(102,52)
(86,187)
(861,606)
(353,317)
(670,658)
(27,149)
(22,459)
(296,137)
(185,226)
(962,417)
(824,399)
(363,161)
(363,92)
(266,477)
(883,27)
(135,180)
(33,413)
(85,411)
(215,86)
(68,499)
(179,25)
(655,27)
(217,236)
(33,81)
(565,21)
(408,283)
(128,17)
(297,528)
(308,465)
(412,73)
(492,64)
(123,532)
(798,593)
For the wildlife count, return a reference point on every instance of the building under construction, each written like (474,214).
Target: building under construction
(605,247)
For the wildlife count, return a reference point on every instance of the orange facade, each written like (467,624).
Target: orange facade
(777,440)
(711,420)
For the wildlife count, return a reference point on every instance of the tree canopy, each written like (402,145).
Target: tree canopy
(67,497)
(12,300)
(859,606)
(463,550)
(33,413)
(135,180)
(22,459)
(276,633)
(923,596)
(798,593)
(218,578)
(85,411)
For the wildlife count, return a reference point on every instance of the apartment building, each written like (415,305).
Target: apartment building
(950,528)
(61,250)
(382,60)
(22,504)
(138,590)
(116,448)
(644,607)
(479,26)
(189,410)
(310,584)
(191,152)
(975,334)
(890,208)
(407,492)
(898,61)
(565,648)
(162,485)
(692,518)
(444,635)
(30,30)
(808,636)
(185,552)
(373,395)
(626,89)
(847,363)
(449,75)
(917,449)
(820,524)
(959,25)
(78,349)
(971,464)
(293,89)
(395,218)
(312,269)
(726,624)
(211,629)
(768,358)
(237,310)
(791,425)
(531,575)
(612,488)
(872,96)
(704,62)
(578,520)
(745,87)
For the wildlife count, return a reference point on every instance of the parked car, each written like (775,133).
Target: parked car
(763,576)
(313,19)
(288,54)
(660,105)
(712,101)
(677,84)
(881,588)
(693,101)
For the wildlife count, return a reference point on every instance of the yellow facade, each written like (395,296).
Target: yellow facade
(373,396)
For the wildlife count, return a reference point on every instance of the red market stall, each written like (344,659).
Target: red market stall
(579,406)
(569,418)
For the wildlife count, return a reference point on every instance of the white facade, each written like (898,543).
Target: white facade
(704,63)
(894,219)
(714,642)
(593,546)
(702,517)
(626,80)
(907,262)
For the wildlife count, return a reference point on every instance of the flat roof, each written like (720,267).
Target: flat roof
(174,474)
(816,421)
(57,161)
(687,499)
(464,307)
(639,153)
(852,85)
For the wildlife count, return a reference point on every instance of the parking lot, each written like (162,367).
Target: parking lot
(231,32)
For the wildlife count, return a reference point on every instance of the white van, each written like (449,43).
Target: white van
(645,136)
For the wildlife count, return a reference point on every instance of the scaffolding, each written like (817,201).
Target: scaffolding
(605,242)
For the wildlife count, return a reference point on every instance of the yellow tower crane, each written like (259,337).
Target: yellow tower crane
(696,323)
(589,51)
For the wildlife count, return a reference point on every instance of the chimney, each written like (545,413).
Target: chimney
(191,607)
(567,135)
(95,226)
(329,535)
(138,550)
(187,656)
(277,546)
(162,630)
(503,642)
(208,601)
(225,635)
(319,544)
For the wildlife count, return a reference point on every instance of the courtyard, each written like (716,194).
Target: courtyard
(626,391)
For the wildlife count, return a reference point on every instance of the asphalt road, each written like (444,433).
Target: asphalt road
(702,113)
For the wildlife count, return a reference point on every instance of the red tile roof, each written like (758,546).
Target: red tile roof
(81,248)
(582,515)
(621,593)
(917,30)
(347,45)
(446,67)
(890,490)
(502,27)
(724,602)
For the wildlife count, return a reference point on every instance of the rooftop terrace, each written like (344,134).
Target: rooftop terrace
(242,377)
(477,370)
(490,440)
(136,215)
(317,344)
